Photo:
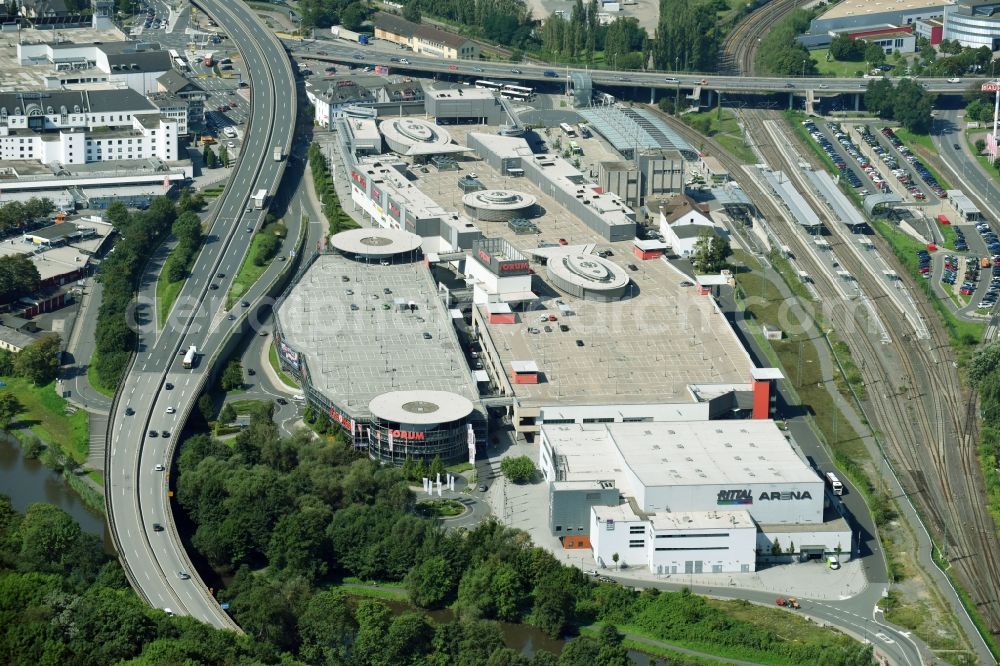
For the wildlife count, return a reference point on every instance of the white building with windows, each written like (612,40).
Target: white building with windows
(686,497)
(79,127)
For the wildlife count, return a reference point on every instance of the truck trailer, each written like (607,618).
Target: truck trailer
(340,32)
(260,199)
(189,357)
(277,154)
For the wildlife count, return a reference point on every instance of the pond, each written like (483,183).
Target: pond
(29,481)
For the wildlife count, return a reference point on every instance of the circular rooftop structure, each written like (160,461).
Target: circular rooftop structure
(498,205)
(588,276)
(420,408)
(381,243)
(415,136)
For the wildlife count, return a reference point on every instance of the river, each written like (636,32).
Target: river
(29,481)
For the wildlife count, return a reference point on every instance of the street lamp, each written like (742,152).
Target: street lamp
(803,68)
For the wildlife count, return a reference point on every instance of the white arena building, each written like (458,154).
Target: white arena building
(685,497)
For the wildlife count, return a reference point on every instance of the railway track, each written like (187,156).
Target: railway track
(739,50)
(927,420)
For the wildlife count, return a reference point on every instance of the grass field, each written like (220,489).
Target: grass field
(45,414)
(246,406)
(272,357)
(95,384)
(250,272)
(725,129)
(166,295)
(836,67)
(983,160)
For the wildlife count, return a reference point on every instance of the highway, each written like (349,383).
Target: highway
(158,393)
(377,54)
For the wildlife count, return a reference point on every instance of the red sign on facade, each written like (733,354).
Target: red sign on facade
(340,418)
(484,256)
(376,194)
(394,210)
(359,179)
(509,266)
(410,435)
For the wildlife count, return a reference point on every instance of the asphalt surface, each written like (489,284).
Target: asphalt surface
(379,53)
(137,493)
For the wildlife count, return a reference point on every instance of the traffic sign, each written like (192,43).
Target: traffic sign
(453,67)
(992,86)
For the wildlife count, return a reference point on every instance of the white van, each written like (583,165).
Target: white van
(298,397)
(833,562)
(229,131)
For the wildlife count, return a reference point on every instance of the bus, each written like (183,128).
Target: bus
(835,485)
(517,92)
(574,148)
(180,64)
(567,129)
(189,357)
(489,85)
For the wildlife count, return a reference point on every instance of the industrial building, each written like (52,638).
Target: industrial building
(685,497)
(376,351)
(124,63)
(973,23)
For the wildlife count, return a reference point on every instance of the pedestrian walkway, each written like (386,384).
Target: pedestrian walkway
(98,425)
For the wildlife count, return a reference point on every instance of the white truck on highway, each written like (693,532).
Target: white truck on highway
(340,32)
(189,357)
(277,153)
(260,199)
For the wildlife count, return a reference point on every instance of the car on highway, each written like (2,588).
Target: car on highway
(183,575)
(321,53)
(158,467)
(129,411)
(515,71)
(478,69)
(158,528)
(954,79)
(230,316)
(404,61)
(671,79)
(823,86)
(245,304)
(220,275)
(483,488)
(168,386)
(358,56)
(171,410)
(165,434)
(956,146)
(153,433)
(703,82)
(281,401)
(251,372)
(213,287)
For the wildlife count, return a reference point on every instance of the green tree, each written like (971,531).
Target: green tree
(232,376)
(519,470)
(18,277)
(206,407)
(300,546)
(39,361)
(431,582)
(845,49)
(710,252)
(223,156)
(611,650)
(49,540)
(326,629)
(874,54)
(984,362)
(411,12)
(228,414)
(10,407)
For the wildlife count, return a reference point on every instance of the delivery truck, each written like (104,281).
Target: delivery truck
(260,199)
(277,154)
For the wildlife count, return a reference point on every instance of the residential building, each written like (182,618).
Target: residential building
(175,83)
(424,39)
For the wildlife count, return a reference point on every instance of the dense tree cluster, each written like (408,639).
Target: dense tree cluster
(323,181)
(781,53)
(506,22)
(907,102)
(140,234)
(324,13)
(14,214)
(38,362)
(710,252)
(687,36)
(845,49)
(519,470)
(187,230)
(18,277)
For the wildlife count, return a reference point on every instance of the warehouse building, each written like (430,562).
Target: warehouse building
(424,39)
(375,350)
(688,497)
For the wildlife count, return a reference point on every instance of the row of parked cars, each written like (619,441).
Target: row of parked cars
(832,153)
(993,244)
(890,162)
(960,243)
(908,155)
(970,278)
(870,170)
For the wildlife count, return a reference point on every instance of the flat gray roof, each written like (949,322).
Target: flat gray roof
(678,453)
(354,355)
(421,407)
(629,128)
